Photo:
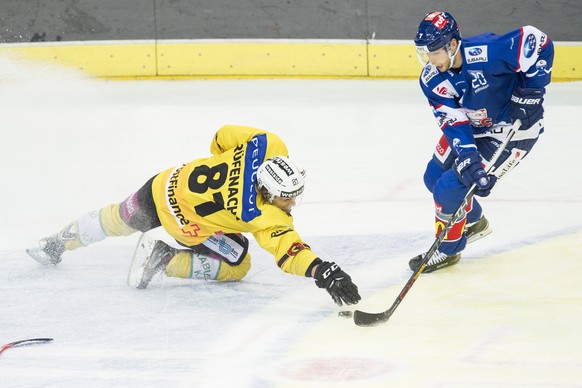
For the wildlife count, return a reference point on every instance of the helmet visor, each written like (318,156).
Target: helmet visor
(288,203)
(422,54)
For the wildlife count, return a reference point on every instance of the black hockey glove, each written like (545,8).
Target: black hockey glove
(526,105)
(469,170)
(339,285)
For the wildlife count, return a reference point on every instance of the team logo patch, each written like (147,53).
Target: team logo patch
(540,69)
(479,117)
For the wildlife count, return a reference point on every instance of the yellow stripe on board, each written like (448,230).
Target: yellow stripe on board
(269,58)
(96,59)
(567,63)
(262,58)
(396,60)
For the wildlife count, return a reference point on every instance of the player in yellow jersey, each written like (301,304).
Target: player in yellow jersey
(248,185)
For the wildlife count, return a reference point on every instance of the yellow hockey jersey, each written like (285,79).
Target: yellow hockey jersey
(217,195)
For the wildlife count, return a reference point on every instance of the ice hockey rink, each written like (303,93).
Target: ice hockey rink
(508,315)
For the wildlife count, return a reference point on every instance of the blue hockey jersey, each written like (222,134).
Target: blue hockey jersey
(472,99)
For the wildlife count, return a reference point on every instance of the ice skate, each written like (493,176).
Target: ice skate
(437,261)
(478,230)
(156,262)
(150,258)
(49,250)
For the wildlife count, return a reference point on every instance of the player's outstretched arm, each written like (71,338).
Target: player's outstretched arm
(337,283)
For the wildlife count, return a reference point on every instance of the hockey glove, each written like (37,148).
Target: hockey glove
(526,105)
(339,285)
(469,170)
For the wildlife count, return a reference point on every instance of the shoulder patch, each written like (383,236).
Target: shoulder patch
(428,73)
(476,54)
(532,41)
(445,89)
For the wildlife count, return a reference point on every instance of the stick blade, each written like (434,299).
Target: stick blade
(26,342)
(32,341)
(364,319)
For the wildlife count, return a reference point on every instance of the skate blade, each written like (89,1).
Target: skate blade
(143,250)
(478,236)
(40,256)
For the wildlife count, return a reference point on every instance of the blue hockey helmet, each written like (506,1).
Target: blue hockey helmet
(436,31)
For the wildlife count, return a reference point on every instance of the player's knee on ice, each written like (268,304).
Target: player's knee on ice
(207,266)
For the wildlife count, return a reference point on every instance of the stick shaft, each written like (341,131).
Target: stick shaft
(362,318)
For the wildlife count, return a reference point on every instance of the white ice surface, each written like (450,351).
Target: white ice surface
(508,315)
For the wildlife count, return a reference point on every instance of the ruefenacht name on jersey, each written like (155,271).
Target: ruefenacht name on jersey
(234,179)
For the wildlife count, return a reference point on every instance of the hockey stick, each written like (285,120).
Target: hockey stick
(26,342)
(364,319)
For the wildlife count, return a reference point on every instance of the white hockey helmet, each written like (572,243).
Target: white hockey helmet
(279,177)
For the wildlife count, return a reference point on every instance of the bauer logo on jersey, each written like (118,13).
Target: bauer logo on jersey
(476,54)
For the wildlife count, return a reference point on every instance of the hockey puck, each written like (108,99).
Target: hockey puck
(345,314)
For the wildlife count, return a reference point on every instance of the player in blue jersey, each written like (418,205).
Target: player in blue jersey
(477,87)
